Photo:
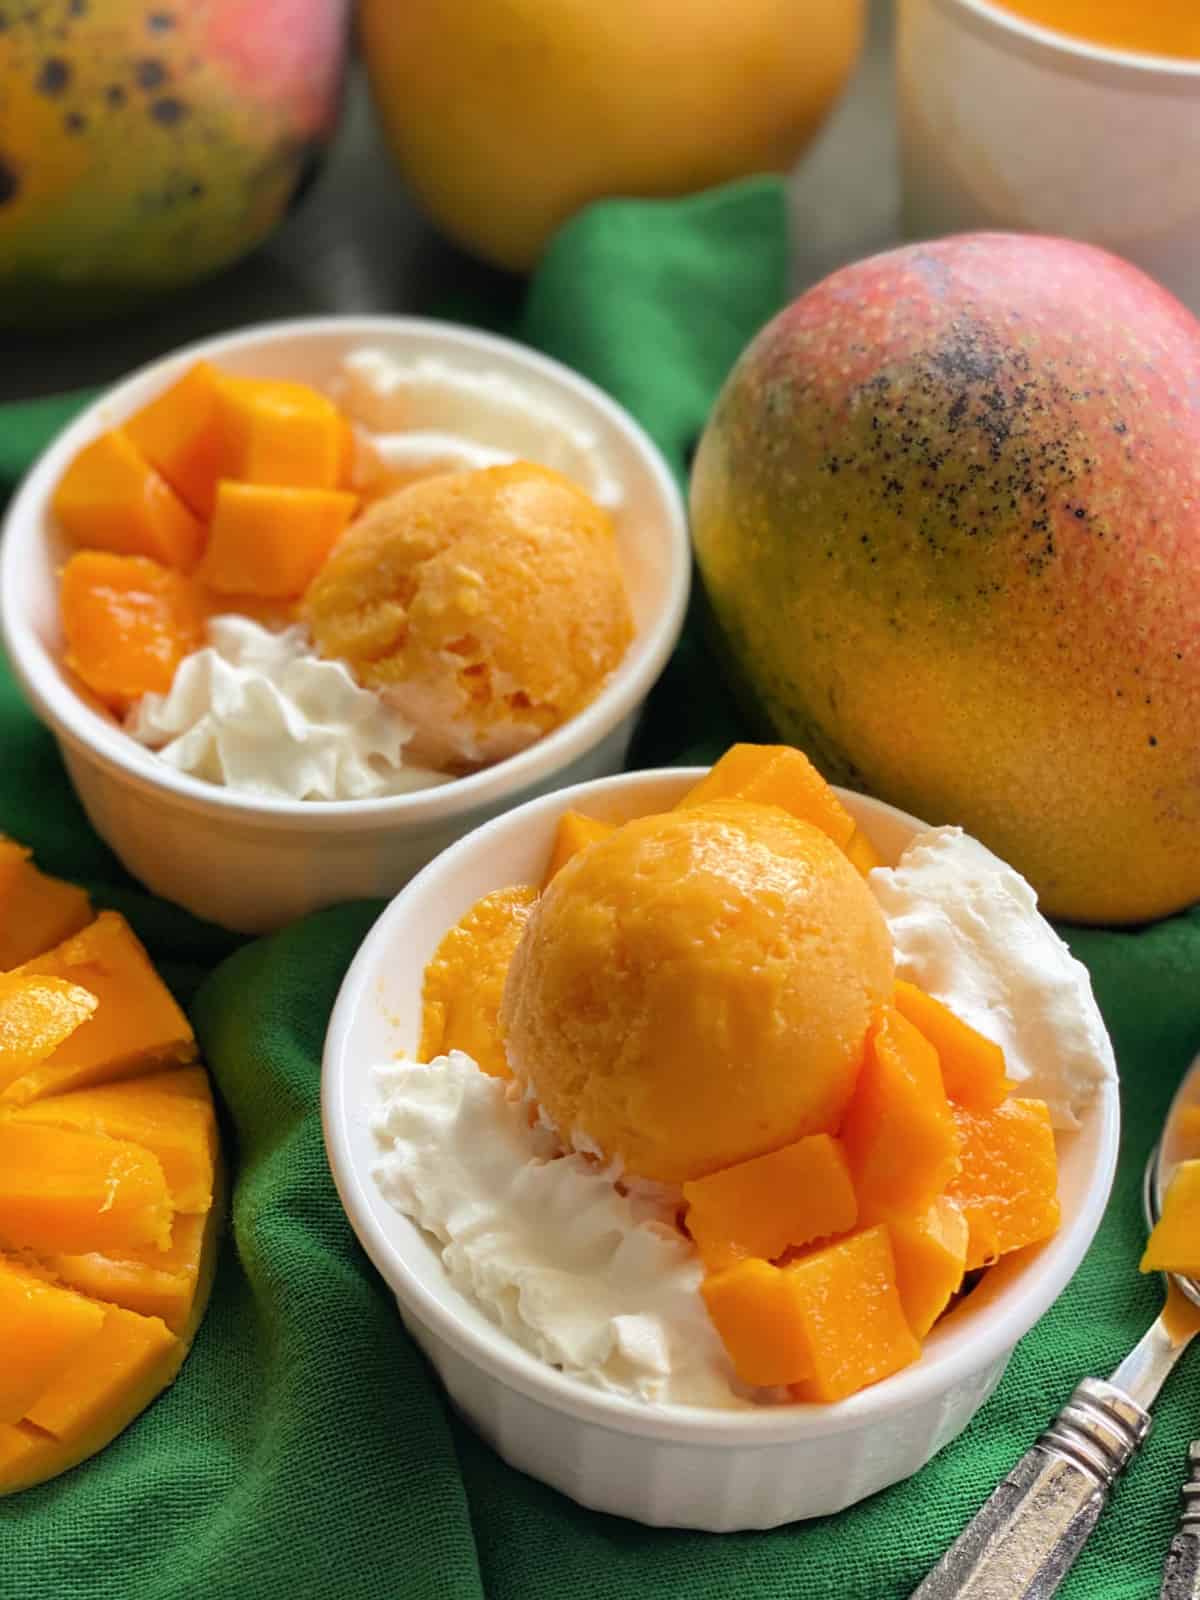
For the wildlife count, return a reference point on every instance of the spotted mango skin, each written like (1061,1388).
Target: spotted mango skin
(147,143)
(947,514)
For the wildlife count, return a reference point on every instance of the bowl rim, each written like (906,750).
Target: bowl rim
(1045,1274)
(87,731)
(1068,52)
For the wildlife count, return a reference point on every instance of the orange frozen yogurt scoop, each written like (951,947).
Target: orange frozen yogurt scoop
(696,988)
(488,605)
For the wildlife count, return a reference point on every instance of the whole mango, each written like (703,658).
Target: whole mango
(947,513)
(507,116)
(146,143)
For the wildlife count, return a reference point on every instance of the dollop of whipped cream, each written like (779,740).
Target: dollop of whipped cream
(428,410)
(593,1280)
(966,928)
(258,711)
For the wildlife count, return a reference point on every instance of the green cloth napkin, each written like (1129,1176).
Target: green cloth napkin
(306,1449)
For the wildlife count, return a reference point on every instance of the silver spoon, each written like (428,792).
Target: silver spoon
(1024,1540)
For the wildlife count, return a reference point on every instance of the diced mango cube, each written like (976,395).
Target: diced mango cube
(778,775)
(111,498)
(37,1014)
(464,980)
(179,433)
(899,1132)
(156,1283)
(573,834)
(42,1328)
(67,1191)
(24,1451)
(136,1027)
(853,1316)
(861,853)
(128,1361)
(272,541)
(772,1203)
(753,1307)
(128,623)
(36,911)
(279,432)
(180,1131)
(973,1070)
(930,1251)
(1174,1245)
(1007,1185)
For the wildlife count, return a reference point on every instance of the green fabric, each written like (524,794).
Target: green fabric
(305,1450)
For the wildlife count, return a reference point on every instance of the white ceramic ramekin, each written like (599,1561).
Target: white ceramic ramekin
(1004,124)
(255,864)
(671,1466)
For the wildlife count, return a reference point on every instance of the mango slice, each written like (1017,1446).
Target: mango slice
(124,1366)
(180,435)
(753,1307)
(899,1132)
(861,853)
(930,1253)
(36,912)
(772,1203)
(37,1015)
(128,623)
(180,1131)
(775,774)
(136,1028)
(573,834)
(1007,1185)
(62,1190)
(464,980)
(42,1328)
(1174,1245)
(278,432)
(111,498)
(973,1070)
(156,1283)
(270,541)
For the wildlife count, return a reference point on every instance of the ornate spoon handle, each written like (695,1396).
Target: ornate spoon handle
(1022,1543)
(1181,1571)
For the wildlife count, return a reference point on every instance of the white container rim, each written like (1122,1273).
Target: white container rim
(1066,52)
(504,1360)
(85,730)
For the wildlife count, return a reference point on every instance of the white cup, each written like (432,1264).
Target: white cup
(1006,125)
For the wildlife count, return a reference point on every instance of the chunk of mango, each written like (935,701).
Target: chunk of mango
(111,498)
(278,432)
(861,853)
(137,1026)
(128,623)
(42,1328)
(36,911)
(157,1283)
(62,1190)
(271,541)
(767,1205)
(899,1132)
(125,1365)
(179,433)
(930,1251)
(464,980)
(775,774)
(37,1014)
(753,1307)
(973,1070)
(1174,1245)
(573,834)
(1007,1185)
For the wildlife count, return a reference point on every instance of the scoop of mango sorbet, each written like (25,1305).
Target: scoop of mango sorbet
(696,989)
(488,606)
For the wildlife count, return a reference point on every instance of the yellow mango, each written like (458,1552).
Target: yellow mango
(62,1190)
(36,911)
(42,1328)
(37,1015)
(573,834)
(973,1070)
(930,1252)
(775,774)
(862,853)
(124,1366)
(278,432)
(271,542)
(156,1283)
(464,980)
(752,1307)
(179,433)
(1007,1185)
(1174,1245)
(111,498)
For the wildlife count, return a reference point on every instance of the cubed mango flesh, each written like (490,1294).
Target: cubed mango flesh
(769,774)
(753,1307)
(862,853)
(973,1070)
(125,1365)
(154,1282)
(930,1252)
(179,433)
(573,834)
(1174,1245)
(270,541)
(111,498)
(899,1132)
(137,1026)
(61,1190)
(1007,1184)
(36,911)
(128,622)
(42,1328)
(772,1203)
(278,432)
(37,1014)
(464,980)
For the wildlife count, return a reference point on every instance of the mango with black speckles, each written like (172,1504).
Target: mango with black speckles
(947,514)
(147,143)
